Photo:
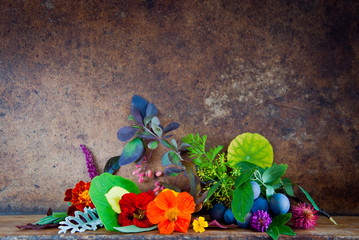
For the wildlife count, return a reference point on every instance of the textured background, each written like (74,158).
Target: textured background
(285,69)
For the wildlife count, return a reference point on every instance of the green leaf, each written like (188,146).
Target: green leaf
(174,143)
(134,229)
(246,165)
(273,232)
(269,191)
(165,143)
(132,151)
(165,159)
(242,200)
(152,145)
(309,198)
(281,219)
(174,158)
(250,147)
(285,230)
(288,188)
(212,190)
(244,176)
(101,185)
(274,173)
(156,129)
(147,120)
(131,118)
(112,165)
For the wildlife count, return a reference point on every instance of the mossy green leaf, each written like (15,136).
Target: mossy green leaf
(101,185)
(250,147)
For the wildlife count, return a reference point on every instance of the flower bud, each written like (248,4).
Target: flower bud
(159,174)
(149,173)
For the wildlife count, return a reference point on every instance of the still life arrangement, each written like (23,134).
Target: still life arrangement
(239,187)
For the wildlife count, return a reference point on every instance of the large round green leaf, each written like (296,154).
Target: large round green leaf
(101,185)
(250,147)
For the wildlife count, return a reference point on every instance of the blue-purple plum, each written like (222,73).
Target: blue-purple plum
(256,189)
(217,212)
(279,204)
(260,203)
(229,216)
(246,221)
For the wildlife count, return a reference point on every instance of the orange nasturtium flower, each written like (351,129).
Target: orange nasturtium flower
(79,197)
(171,211)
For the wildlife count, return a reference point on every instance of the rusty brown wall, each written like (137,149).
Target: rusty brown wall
(285,69)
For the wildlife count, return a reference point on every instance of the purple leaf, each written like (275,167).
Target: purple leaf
(151,110)
(172,171)
(170,127)
(132,151)
(136,114)
(37,226)
(112,165)
(126,133)
(214,223)
(140,104)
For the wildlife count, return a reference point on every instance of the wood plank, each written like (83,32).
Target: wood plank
(347,228)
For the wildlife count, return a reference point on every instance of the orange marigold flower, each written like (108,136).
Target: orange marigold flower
(79,197)
(171,211)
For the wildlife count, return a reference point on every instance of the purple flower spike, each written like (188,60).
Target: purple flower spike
(260,221)
(89,162)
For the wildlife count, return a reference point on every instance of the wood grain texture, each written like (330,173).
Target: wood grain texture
(285,69)
(347,228)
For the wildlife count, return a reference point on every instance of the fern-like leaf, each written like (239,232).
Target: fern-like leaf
(87,220)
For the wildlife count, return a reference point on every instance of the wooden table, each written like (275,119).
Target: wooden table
(347,228)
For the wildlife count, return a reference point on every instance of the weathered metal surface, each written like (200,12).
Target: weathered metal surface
(348,228)
(285,69)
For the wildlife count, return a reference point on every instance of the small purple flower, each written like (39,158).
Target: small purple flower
(260,221)
(89,162)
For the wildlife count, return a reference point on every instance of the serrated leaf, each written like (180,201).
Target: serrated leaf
(273,232)
(151,110)
(136,113)
(242,200)
(134,229)
(82,221)
(309,198)
(170,127)
(140,103)
(285,230)
(281,219)
(172,171)
(156,129)
(274,173)
(112,165)
(126,133)
(132,151)
(250,147)
(101,185)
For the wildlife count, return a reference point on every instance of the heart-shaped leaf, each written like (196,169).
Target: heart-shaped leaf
(112,165)
(170,127)
(250,147)
(101,185)
(151,110)
(126,133)
(140,103)
(132,151)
